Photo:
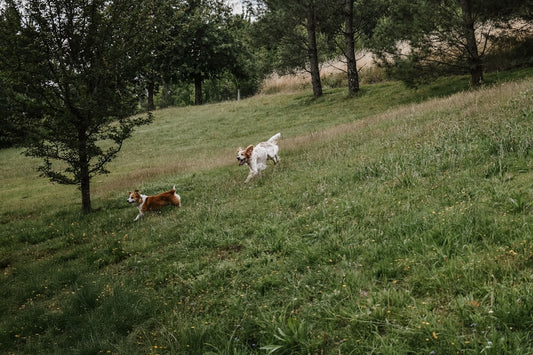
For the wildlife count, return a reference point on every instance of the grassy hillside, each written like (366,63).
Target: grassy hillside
(397,222)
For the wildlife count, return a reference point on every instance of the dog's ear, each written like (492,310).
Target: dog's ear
(249,150)
(136,192)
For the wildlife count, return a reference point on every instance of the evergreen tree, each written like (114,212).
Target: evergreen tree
(423,38)
(293,28)
(360,19)
(70,67)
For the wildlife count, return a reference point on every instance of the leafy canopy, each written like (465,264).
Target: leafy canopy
(71,68)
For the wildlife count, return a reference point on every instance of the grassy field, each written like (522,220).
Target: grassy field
(397,222)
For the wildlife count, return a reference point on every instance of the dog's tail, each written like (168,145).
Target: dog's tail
(274,138)
(178,197)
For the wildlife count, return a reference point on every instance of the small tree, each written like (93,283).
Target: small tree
(71,67)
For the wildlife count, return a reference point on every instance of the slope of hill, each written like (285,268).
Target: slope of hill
(396,222)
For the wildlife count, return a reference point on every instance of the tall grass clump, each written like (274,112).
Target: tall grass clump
(390,226)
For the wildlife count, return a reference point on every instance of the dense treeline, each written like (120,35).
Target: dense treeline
(70,70)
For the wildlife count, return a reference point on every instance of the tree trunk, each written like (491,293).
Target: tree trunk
(85,187)
(312,52)
(474,59)
(150,87)
(351,64)
(166,95)
(198,90)
(84,179)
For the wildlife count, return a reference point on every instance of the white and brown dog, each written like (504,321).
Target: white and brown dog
(147,203)
(256,157)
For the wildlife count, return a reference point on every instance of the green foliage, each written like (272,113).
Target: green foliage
(291,339)
(11,134)
(510,53)
(281,29)
(380,231)
(420,40)
(195,44)
(222,88)
(207,42)
(70,76)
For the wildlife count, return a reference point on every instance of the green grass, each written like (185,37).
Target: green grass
(397,222)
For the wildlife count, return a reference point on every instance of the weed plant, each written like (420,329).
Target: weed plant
(396,222)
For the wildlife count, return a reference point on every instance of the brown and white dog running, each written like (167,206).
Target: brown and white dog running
(256,157)
(150,203)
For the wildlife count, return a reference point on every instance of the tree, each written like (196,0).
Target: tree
(203,43)
(468,29)
(156,64)
(349,53)
(10,132)
(70,67)
(159,55)
(360,19)
(423,38)
(293,28)
(312,49)
(242,74)
(199,42)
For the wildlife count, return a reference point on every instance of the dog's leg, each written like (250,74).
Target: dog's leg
(248,178)
(274,158)
(142,208)
(176,201)
(250,175)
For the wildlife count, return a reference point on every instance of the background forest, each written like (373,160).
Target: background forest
(187,52)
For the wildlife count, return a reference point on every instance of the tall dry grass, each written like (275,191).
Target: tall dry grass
(368,73)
